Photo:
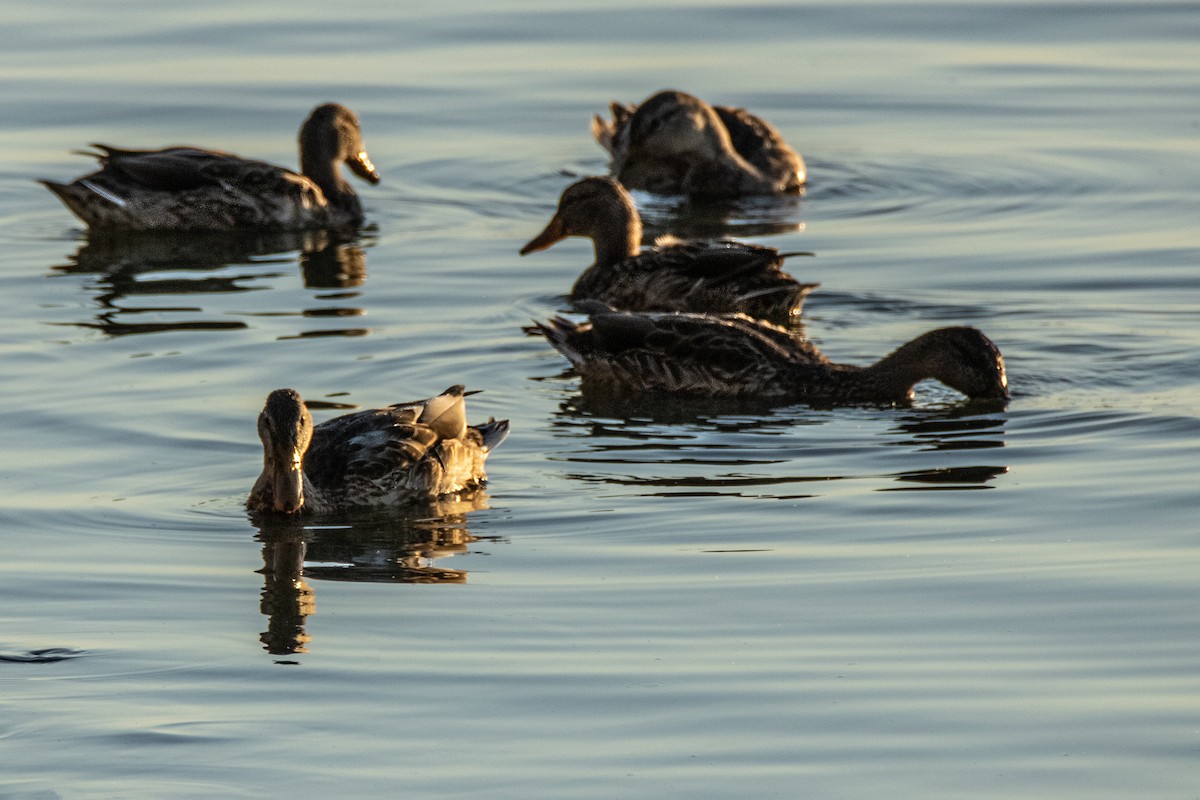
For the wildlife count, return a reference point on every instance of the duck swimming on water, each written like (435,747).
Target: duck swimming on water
(720,276)
(396,455)
(675,143)
(189,188)
(732,355)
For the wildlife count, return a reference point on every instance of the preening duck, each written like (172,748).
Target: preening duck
(189,188)
(736,356)
(400,454)
(718,276)
(675,143)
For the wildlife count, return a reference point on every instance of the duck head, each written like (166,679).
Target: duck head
(597,208)
(286,429)
(673,124)
(960,357)
(330,136)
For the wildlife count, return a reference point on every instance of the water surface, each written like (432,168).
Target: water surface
(938,601)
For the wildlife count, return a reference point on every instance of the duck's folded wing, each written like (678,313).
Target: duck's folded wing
(725,338)
(170,170)
(367,445)
(176,169)
(717,261)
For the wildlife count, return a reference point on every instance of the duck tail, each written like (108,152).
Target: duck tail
(494,432)
(60,189)
(555,330)
(794,291)
(602,132)
(558,332)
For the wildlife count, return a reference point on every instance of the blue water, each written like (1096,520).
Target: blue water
(933,602)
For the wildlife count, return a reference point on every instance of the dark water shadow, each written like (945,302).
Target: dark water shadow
(602,398)
(962,426)
(665,445)
(952,429)
(46,655)
(716,218)
(600,404)
(385,546)
(143,267)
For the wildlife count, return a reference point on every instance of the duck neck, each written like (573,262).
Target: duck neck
(619,238)
(726,172)
(891,379)
(726,166)
(327,175)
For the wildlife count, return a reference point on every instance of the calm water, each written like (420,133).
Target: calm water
(930,602)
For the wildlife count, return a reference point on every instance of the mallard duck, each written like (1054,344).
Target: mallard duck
(188,188)
(404,453)
(672,276)
(674,143)
(735,356)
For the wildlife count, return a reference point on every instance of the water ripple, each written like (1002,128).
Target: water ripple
(46,655)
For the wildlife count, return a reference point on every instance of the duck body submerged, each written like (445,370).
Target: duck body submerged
(673,275)
(398,455)
(715,356)
(675,143)
(191,188)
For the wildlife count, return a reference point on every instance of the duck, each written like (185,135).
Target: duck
(673,275)
(191,188)
(676,143)
(401,454)
(736,356)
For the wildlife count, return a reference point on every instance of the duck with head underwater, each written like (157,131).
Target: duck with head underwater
(190,188)
(734,356)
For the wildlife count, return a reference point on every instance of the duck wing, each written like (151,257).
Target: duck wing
(722,260)
(763,146)
(703,354)
(367,446)
(718,277)
(175,169)
(614,136)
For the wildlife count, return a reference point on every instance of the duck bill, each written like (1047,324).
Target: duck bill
(555,232)
(288,488)
(360,164)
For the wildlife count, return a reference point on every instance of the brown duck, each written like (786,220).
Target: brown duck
(675,143)
(718,276)
(189,188)
(390,456)
(736,356)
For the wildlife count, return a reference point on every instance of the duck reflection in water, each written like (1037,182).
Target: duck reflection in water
(958,432)
(372,547)
(668,445)
(201,264)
